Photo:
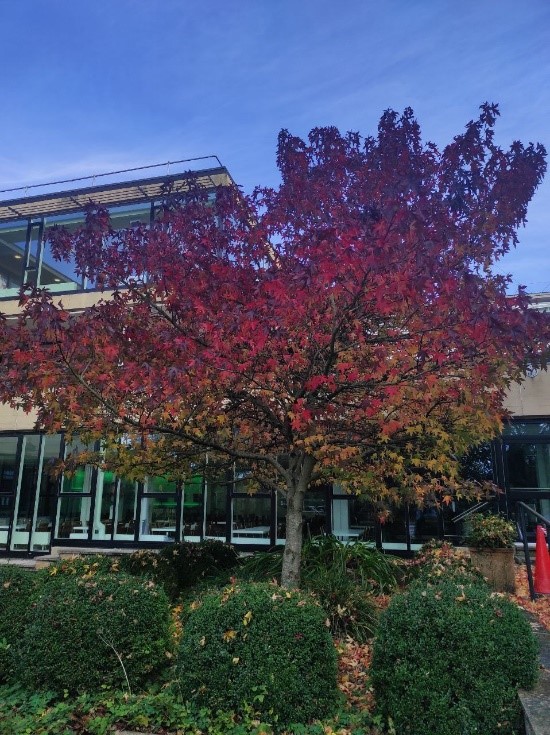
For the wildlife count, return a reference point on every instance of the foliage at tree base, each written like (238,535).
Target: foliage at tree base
(343,577)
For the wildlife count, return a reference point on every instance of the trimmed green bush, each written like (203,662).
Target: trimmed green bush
(259,646)
(448,660)
(17,588)
(85,632)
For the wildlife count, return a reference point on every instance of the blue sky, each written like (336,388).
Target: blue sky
(90,86)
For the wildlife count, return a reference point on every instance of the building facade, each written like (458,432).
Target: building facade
(94,508)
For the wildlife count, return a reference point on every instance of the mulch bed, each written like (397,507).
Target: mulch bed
(540,607)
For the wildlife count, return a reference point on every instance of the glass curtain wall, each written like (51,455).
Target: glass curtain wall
(91,506)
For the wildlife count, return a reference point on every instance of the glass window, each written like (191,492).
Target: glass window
(80,481)
(6,510)
(73,517)
(8,458)
(394,530)
(193,508)
(539,505)
(13,236)
(104,513)
(527,428)
(27,493)
(528,466)
(251,520)
(126,510)
(352,519)
(8,485)
(160,485)
(47,495)
(315,513)
(216,509)
(424,523)
(130,215)
(32,261)
(55,274)
(158,519)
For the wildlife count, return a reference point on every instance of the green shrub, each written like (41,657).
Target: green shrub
(193,562)
(440,560)
(263,566)
(448,659)
(17,588)
(96,630)
(180,566)
(366,566)
(259,646)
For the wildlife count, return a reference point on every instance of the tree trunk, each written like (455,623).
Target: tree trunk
(297,485)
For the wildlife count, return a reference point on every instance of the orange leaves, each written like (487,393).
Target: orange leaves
(540,607)
(353,664)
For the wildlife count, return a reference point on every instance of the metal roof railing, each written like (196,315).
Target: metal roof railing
(111,193)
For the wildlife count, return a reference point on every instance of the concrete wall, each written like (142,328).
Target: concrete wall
(11,419)
(530,397)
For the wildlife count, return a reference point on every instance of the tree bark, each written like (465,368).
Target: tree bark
(297,484)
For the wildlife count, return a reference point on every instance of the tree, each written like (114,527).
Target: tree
(345,327)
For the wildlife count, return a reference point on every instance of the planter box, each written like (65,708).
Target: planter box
(497,565)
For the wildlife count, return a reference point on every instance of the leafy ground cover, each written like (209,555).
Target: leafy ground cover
(540,607)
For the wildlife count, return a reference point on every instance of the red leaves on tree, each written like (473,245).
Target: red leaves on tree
(348,320)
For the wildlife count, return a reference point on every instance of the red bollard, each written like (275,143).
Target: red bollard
(542,564)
